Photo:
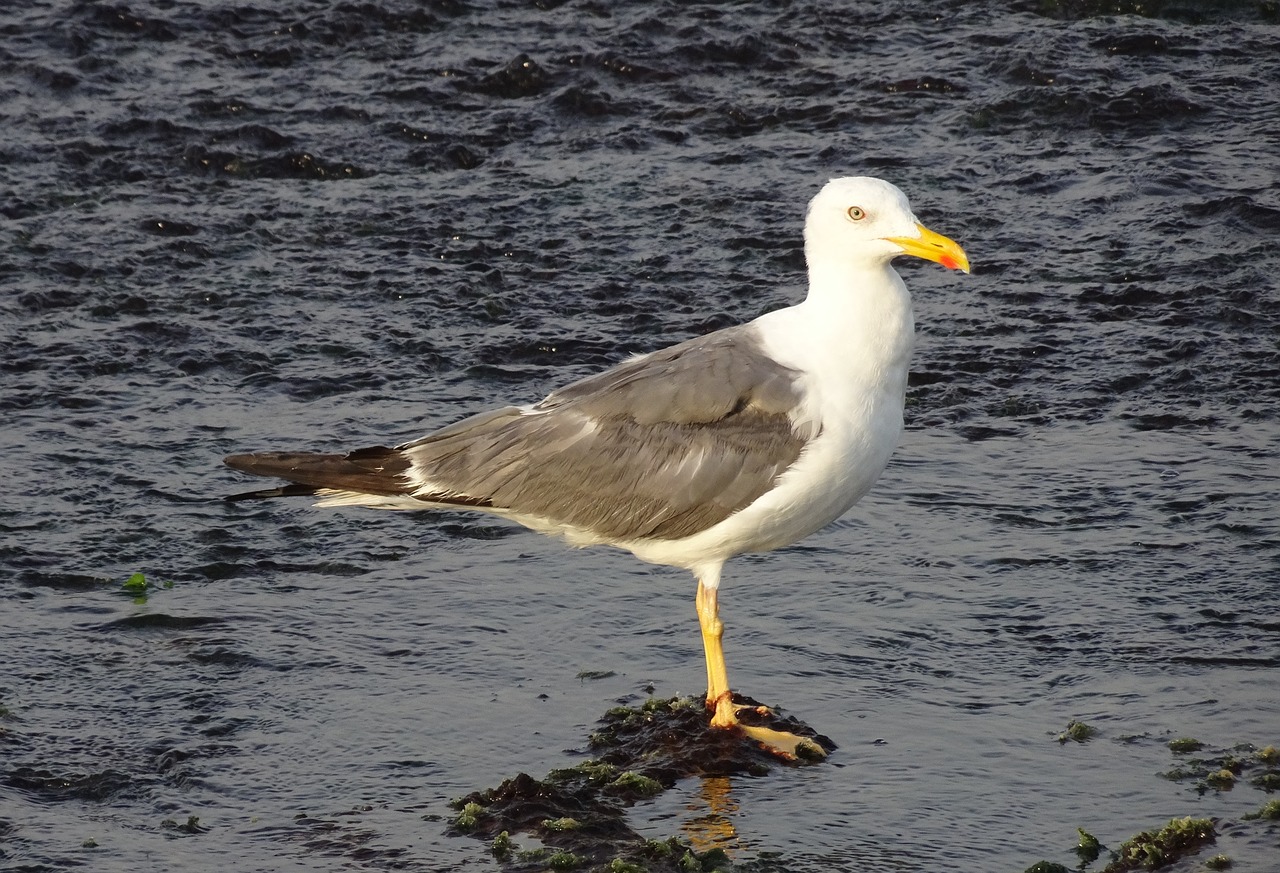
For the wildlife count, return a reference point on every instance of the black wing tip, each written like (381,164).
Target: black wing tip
(376,470)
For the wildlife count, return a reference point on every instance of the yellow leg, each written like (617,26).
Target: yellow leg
(720,701)
(718,698)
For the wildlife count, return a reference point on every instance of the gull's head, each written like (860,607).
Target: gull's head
(862,219)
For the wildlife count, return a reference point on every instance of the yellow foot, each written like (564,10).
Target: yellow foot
(784,744)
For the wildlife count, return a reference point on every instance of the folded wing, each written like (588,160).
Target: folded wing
(662,446)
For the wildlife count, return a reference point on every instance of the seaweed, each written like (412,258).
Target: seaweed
(578,814)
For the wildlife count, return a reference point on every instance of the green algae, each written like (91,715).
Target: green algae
(1221,769)
(1148,850)
(564,861)
(617,865)
(1208,769)
(502,846)
(1223,779)
(138,586)
(1270,811)
(637,785)
(562,824)
(469,817)
(1077,732)
(1268,782)
(135,584)
(1088,848)
(1151,850)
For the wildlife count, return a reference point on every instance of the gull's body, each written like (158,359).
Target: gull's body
(744,440)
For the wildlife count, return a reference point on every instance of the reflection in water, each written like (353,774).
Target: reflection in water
(713,829)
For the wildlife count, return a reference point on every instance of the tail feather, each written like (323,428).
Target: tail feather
(377,470)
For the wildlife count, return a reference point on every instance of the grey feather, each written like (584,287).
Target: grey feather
(662,446)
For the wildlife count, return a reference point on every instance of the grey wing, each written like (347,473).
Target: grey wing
(701,380)
(662,446)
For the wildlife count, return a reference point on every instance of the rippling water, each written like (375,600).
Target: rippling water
(323,225)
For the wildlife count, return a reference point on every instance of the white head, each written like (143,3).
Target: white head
(861,221)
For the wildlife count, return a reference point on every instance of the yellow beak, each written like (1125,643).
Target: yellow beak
(933,247)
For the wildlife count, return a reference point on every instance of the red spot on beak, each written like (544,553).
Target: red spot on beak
(949,262)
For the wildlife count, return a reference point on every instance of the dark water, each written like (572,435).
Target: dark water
(323,225)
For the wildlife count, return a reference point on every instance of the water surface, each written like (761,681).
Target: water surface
(231,227)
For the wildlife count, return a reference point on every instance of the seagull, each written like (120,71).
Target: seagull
(743,440)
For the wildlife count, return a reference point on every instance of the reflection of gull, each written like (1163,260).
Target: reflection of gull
(744,440)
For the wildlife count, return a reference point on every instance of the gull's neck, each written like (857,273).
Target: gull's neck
(854,325)
(865,301)
(835,281)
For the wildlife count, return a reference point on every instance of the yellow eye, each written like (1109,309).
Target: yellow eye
(856,213)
